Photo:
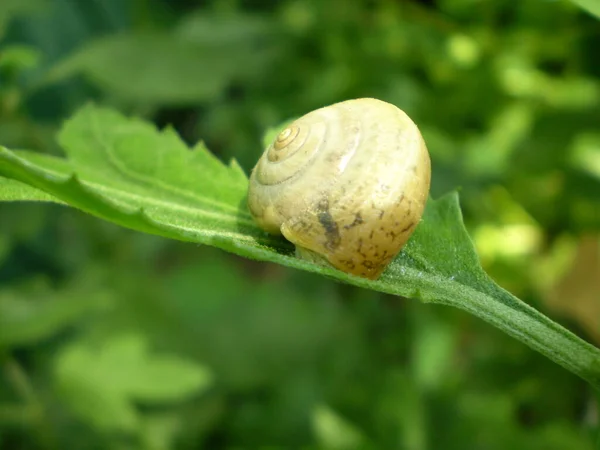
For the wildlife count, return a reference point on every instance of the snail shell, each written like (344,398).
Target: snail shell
(346,183)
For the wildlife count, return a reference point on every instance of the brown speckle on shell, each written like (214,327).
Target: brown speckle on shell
(329,225)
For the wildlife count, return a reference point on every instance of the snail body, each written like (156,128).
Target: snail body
(346,184)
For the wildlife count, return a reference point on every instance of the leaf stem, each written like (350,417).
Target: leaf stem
(19,380)
(513,316)
(33,411)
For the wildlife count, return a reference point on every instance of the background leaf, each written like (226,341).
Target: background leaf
(102,383)
(44,314)
(591,6)
(154,68)
(11,8)
(333,431)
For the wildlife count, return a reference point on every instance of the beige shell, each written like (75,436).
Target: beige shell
(347,183)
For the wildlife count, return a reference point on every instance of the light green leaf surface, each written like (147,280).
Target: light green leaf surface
(125,171)
(334,432)
(11,190)
(101,383)
(592,6)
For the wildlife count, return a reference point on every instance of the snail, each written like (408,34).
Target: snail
(346,184)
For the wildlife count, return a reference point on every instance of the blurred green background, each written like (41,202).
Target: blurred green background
(110,339)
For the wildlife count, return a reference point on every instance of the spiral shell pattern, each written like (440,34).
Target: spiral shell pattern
(346,183)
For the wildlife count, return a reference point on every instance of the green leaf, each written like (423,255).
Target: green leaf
(160,430)
(433,350)
(12,191)
(334,432)
(101,383)
(12,8)
(34,313)
(592,6)
(197,63)
(106,411)
(228,31)
(19,57)
(145,68)
(125,171)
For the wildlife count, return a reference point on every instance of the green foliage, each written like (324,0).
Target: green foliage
(112,338)
(159,185)
(161,68)
(101,382)
(34,313)
(11,8)
(333,431)
(12,191)
(126,172)
(590,5)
